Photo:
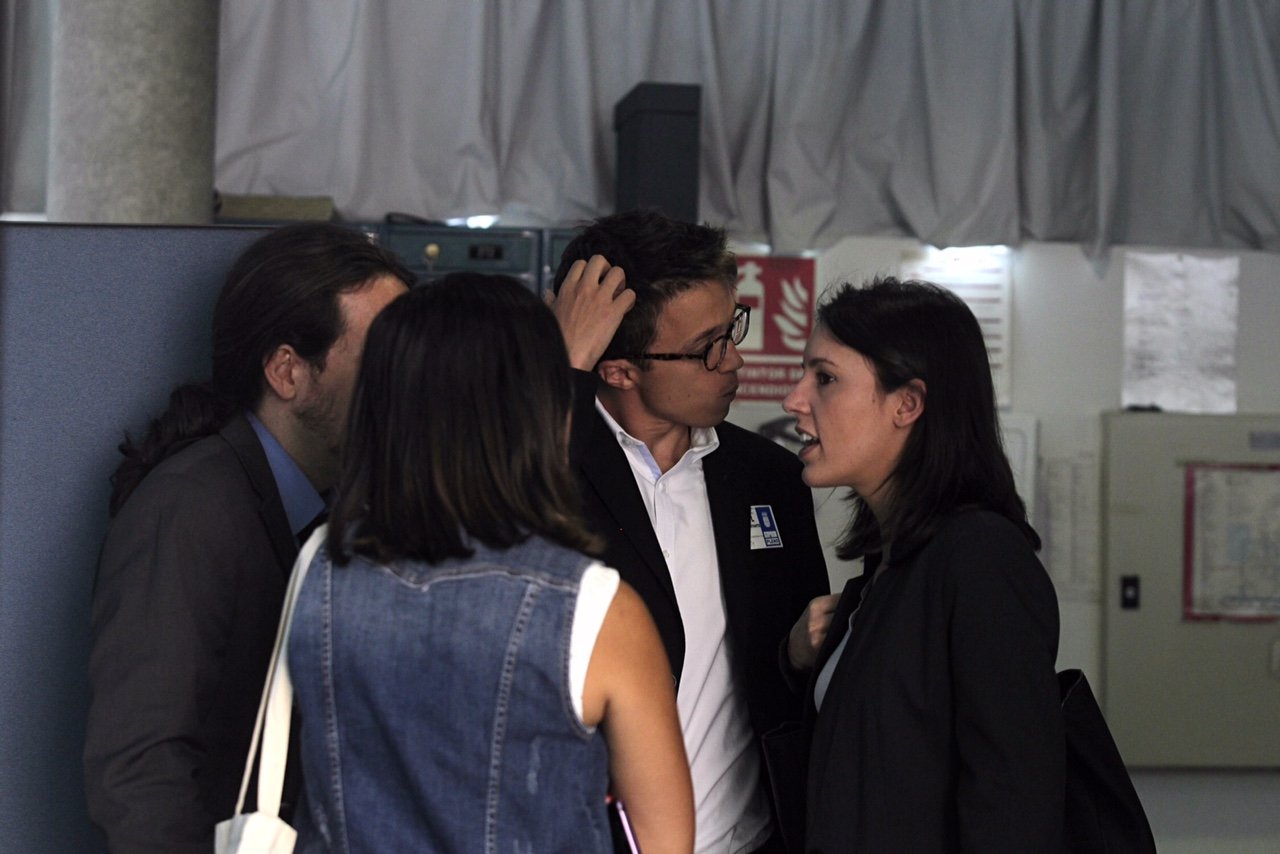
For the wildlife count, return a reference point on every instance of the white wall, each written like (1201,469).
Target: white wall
(1068,332)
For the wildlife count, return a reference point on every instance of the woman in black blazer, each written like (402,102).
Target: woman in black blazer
(935,714)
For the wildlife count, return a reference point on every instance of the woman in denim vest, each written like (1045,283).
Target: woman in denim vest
(467,679)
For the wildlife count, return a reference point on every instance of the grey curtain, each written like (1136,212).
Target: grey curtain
(954,121)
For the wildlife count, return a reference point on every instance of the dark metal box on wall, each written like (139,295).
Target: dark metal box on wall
(554,242)
(432,251)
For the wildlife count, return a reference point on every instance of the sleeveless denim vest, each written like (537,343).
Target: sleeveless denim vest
(435,708)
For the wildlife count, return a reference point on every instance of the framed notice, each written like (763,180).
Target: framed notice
(1232,550)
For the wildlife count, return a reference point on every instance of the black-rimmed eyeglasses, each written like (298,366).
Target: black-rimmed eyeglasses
(713,354)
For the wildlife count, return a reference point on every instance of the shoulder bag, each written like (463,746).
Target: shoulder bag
(263,831)
(1103,813)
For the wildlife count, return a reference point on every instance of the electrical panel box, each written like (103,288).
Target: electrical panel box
(1191,551)
(431,251)
(554,242)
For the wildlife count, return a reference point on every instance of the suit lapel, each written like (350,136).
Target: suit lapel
(605,467)
(866,602)
(732,529)
(849,599)
(244,442)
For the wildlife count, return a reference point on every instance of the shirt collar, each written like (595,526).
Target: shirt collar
(302,504)
(702,441)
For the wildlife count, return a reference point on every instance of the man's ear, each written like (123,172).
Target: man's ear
(911,399)
(283,370)
(618,373)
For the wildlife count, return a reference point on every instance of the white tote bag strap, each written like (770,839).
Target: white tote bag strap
(276,705)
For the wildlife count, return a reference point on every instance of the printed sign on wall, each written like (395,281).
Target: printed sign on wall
(782,296)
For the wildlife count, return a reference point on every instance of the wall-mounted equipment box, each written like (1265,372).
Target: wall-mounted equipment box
(1191,550)
(554,241)
(431,251)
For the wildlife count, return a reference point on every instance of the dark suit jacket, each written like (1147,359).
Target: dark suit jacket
(765,590)
(190,584)
(941,728)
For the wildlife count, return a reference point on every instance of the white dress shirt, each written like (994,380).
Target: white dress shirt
(732,812)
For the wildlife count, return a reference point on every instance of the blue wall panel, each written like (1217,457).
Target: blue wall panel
(97,323)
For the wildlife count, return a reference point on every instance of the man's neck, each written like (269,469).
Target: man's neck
(317,463)
(667,441)
(303,505)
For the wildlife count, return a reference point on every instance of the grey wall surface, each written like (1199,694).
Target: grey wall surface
(96,325)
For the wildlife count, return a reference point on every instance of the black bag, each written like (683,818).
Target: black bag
(1103,813)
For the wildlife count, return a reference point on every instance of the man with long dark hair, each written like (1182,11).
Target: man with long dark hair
(709,522)
(207,513)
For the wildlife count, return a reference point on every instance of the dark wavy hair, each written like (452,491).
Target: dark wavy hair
(459,427)
(283,289)
(662,258)
(954,457)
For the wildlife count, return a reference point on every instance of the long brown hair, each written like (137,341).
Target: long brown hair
(954,457)
(459,427)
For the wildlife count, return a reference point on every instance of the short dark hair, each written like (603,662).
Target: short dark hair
(954,457)
(661,256)
(283,289)
(459,427)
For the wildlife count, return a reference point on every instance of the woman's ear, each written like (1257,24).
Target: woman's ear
(911,399)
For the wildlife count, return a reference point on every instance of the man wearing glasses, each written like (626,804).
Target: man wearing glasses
(710,523)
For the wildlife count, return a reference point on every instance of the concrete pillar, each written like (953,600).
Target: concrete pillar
(132,111)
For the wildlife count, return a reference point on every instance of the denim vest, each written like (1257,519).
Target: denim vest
(435,706)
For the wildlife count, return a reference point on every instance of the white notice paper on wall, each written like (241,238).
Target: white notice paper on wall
(1180,320)
(1018,433)
(982,277)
